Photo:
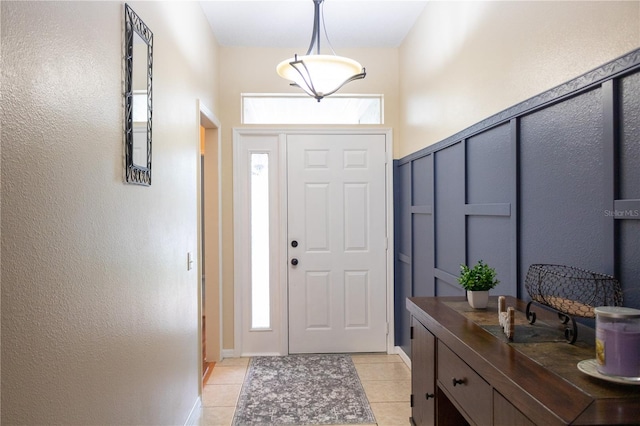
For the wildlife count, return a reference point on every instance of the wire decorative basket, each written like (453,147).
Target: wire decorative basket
(571,292)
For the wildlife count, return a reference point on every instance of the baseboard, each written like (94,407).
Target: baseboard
(228,353)
(231,353)
(195,414)
(250,354)
(403,356)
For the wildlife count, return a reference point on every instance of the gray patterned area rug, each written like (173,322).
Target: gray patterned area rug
(302,390)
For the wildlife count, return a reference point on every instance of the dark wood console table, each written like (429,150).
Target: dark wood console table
(465,371)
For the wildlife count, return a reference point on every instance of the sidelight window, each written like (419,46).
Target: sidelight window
(260,283)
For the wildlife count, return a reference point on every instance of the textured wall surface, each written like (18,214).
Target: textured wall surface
(464,61)
(562,198)
(99,312)
(628,177)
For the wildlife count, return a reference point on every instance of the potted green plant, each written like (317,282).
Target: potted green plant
(477,281)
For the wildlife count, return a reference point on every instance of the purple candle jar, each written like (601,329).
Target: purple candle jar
(618,341)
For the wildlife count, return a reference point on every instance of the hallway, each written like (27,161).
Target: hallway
(385,379)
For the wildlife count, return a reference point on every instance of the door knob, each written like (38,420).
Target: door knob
(294,243)
(294,261)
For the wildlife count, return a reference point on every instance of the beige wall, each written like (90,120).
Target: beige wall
(465,61)
(99,312)
(252,70)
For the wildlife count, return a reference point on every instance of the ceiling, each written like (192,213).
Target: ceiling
(288,23)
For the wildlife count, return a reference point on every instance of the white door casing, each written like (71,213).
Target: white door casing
(337,216)
(363,313)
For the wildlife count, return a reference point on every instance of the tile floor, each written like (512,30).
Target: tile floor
(385,378)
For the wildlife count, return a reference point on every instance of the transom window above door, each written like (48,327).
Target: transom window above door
(281,108)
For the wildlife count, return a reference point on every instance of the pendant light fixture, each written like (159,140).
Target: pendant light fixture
(320,75)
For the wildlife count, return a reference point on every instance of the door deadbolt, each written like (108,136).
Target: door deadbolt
(294,243)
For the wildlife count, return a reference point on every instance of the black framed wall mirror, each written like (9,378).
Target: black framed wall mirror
(138,61)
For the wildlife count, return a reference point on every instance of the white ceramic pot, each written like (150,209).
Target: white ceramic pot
(478,299)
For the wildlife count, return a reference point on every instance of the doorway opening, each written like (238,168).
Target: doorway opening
(209,224)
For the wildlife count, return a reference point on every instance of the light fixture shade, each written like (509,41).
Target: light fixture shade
(320,75)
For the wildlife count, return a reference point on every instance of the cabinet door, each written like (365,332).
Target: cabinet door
(423,367)
(506,414)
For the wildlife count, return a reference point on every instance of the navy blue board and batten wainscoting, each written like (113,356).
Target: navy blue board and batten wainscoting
(554,179)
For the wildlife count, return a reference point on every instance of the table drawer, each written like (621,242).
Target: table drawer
(470,392)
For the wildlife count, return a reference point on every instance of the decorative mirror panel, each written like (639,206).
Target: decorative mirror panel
(138,94)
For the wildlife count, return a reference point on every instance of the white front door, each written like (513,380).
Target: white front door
(337,241)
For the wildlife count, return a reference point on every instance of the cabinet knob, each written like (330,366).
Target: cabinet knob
(429,395)
(458,381)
